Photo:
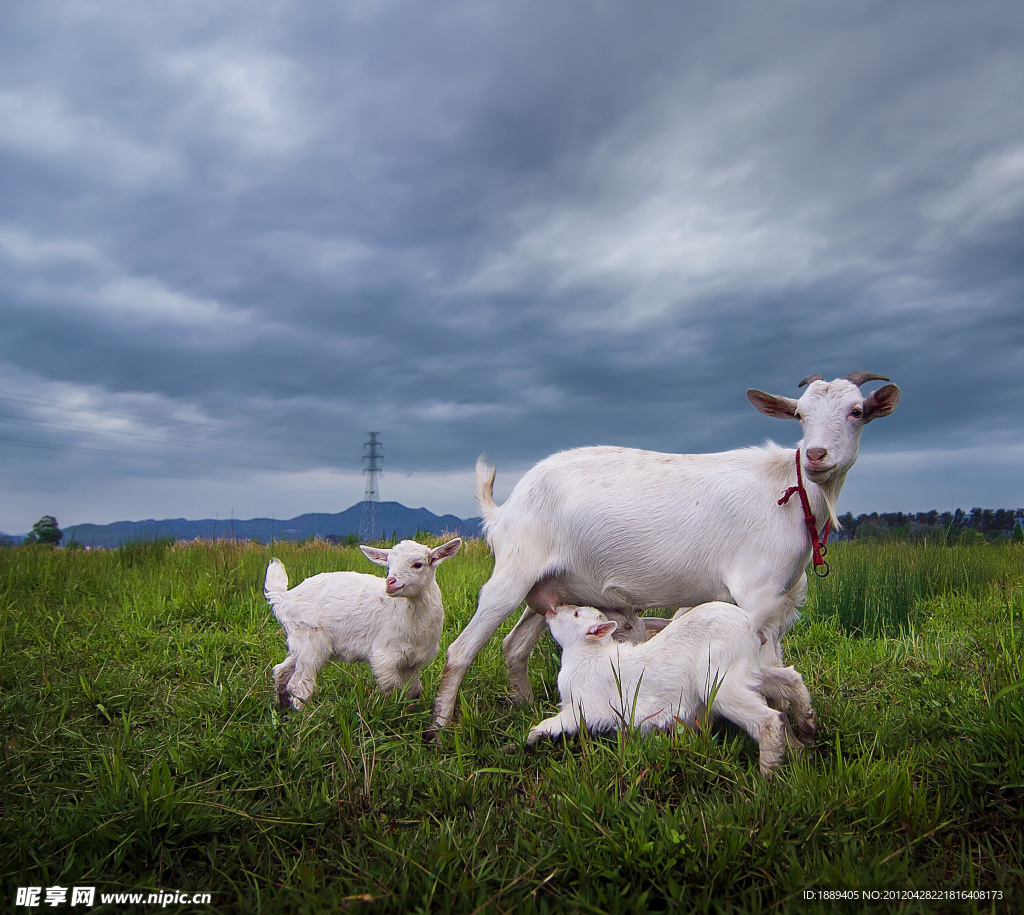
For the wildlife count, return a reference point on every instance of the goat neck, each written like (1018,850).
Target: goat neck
(823,496)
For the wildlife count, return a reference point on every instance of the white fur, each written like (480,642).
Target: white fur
(622,529)
(393,624)
(709,656)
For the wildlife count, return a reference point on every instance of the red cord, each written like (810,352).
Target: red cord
(818,544)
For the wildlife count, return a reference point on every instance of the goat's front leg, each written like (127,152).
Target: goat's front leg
(391,676)
(772,740)
(415,688)
(411,682)
(786,683)
(552,727)
(747,708)
(499,598)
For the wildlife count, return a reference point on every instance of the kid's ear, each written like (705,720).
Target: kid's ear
(600,630)
(374,555)
(445,550)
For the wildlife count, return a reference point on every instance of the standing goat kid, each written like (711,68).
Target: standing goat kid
(709,657)
(624,529)
(393,624)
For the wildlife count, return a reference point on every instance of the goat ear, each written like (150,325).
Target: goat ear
(600,630)
(445,550)
(374,555)
(772,404)
(881,402)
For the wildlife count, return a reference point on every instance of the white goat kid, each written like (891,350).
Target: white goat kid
(623,529)
(393,624)
(710,657)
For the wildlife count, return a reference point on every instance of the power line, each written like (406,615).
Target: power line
(237,451)
(152,420)
(45,401)
(83,448)
(137,436)
(175,460)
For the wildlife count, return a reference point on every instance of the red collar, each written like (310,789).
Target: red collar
(818,547)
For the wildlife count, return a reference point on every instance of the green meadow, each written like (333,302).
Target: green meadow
(140,750)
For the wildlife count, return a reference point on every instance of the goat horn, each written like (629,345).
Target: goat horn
(809,379)
(858,378)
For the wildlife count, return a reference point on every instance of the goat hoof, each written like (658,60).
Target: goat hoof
(808,736)
(432,735)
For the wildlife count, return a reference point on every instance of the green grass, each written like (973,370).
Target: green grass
(139,748)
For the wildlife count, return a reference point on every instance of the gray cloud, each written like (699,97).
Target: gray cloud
(231,244)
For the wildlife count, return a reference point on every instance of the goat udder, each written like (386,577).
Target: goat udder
(544,597)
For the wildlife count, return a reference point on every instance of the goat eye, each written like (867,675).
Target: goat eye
(856,413)
(577,614)
(797,415)
(417,565)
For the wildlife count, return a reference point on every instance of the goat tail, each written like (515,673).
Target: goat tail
(277,581)
(483,490)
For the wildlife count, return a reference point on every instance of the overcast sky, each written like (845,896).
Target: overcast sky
(236,237)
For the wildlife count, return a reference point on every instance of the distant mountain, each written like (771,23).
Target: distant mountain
(395,518)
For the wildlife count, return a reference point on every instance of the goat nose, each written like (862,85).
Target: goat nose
(390,580)
(816,455)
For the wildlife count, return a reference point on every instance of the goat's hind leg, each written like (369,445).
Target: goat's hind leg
(282,674)
(308,652)
(517,647)
(302,682)
(543,598)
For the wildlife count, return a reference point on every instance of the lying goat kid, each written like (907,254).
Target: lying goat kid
(708,656)
(393,624)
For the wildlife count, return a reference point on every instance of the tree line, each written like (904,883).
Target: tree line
(977,526)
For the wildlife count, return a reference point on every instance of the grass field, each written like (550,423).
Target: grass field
(140,750)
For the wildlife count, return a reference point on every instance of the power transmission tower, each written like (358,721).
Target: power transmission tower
(369,524)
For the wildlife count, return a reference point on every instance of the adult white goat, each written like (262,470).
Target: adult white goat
(394,624)
(622,529)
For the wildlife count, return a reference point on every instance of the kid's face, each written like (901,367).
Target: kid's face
(569,624)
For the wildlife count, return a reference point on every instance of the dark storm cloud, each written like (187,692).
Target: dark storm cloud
(517,227)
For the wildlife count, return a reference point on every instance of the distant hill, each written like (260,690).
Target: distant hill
(395,518)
